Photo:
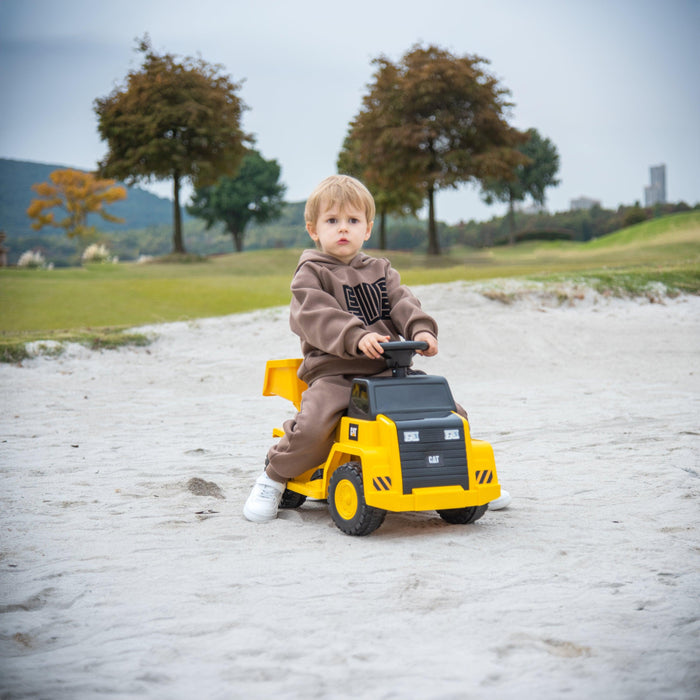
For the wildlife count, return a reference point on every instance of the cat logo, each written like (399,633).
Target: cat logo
(353,431)
(434,460)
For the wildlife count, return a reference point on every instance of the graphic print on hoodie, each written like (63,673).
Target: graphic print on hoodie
(368,301)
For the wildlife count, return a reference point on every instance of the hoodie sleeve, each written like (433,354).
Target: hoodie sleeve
(319,320)
(406,311)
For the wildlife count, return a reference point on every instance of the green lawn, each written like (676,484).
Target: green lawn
(125,296)
(85,302)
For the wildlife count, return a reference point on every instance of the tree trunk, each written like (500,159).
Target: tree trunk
(178,244)
(382,230)
(511,221)
(433,242)
(237,237)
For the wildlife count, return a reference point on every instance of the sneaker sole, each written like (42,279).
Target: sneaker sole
(256,517)
(500,503)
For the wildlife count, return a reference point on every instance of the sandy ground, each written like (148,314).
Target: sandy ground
(124,574)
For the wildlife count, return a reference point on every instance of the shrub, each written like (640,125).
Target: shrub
(31,259)
(98,253)
(545,235)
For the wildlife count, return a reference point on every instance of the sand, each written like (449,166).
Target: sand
(127,569)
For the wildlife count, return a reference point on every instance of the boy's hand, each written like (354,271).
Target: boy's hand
(369,345)
(432,343)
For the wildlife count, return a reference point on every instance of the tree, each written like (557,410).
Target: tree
(254,194)
(529,178)
(178,120)
(434,121)
(400,198)
(79,194)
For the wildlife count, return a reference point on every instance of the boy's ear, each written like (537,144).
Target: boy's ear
(369,230)
(311,230)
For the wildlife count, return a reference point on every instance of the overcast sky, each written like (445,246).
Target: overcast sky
(613,83)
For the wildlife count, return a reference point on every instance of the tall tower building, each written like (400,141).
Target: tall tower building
(655,193)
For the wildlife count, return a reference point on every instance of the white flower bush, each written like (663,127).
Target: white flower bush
(98,253)
(31,258)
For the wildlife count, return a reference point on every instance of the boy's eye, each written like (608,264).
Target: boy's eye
(354,221)
(332,220)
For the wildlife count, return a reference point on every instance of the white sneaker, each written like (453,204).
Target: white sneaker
(503,501)
(264,499)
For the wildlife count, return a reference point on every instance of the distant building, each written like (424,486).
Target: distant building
(655,193)
(584,203)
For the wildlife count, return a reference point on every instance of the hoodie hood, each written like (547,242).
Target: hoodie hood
(314,255)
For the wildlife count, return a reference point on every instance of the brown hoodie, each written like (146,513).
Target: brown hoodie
(334,304)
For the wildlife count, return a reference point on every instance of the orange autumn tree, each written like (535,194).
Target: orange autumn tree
(78,194)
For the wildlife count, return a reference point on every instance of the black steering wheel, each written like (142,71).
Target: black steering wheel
(399,353)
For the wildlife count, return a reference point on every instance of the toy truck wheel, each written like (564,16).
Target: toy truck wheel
(346,502)
(462,516)
(292,499)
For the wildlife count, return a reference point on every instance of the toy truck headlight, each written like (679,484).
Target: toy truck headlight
(411,436)
(452,434)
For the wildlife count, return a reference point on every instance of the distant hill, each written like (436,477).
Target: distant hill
(140,209)
(147,229)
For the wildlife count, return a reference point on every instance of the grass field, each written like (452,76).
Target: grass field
(91,303)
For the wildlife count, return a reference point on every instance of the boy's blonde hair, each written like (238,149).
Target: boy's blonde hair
(340,191)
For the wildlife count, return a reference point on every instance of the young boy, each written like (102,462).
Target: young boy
(344,304)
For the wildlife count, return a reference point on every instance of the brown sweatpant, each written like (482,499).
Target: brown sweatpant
(308,436)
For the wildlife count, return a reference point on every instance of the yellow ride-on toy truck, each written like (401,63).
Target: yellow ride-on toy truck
(401,447)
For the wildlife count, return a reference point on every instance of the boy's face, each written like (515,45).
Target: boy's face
(340,232)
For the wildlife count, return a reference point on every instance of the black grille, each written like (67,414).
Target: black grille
(432,460)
